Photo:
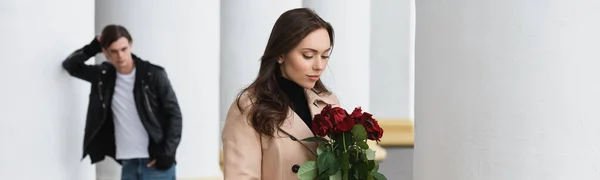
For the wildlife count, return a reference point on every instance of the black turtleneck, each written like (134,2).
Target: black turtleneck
(295,93)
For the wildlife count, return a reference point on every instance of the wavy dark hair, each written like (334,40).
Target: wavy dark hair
(269,106)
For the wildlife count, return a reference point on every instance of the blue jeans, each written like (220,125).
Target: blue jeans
(137,169)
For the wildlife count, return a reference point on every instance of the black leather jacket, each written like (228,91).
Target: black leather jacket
(154,97)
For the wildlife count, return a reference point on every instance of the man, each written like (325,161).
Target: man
(133,114)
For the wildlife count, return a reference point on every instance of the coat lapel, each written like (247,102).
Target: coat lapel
(296,128)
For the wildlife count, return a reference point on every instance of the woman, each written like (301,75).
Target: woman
(264,126)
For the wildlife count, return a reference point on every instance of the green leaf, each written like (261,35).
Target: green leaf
(370,165)
(328,173)
(339,140)
(336,176)
(376,166)
(334,169)
(369,176)
(345,175)
(362,167)
(345,161)
(362,170)
(359,132)
(370,154)
(323,177)
(378,176)
(326,162)
(354,175)
(349,138)
(308,171)
(321,149)
(315,139)
(362,144)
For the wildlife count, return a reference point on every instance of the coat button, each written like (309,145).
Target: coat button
(103,71)
(293,138)
(103,106)
(295,168)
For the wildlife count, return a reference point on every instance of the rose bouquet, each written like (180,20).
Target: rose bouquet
(343,152)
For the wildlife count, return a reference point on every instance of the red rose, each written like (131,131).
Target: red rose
(374,131)
(356,114)
(346,125)
(321,125)
(364,118)
(327,110)
(338,115)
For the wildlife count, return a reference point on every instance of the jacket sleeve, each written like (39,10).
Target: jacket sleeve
(170,108)
(242,150)
(75,63)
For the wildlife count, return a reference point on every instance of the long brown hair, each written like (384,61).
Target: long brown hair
(269,107)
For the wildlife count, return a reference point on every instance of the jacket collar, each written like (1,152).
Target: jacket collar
(140,66)
(315,98)
(295,127)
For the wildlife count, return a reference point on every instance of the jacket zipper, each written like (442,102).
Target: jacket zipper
(146,99)
(103,114)
(148,108)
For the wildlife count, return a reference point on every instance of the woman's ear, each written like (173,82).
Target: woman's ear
(280,60)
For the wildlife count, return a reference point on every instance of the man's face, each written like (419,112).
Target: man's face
(119,55)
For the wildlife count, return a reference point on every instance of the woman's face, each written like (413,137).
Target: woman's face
(305,63)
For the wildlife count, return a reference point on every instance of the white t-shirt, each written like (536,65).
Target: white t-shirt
(130,135)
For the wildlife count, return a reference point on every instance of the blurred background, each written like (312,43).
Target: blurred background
(211,50)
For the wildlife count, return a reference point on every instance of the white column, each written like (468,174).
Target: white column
(42,107)
(348,72)
(507,90)
(245,29)
(411,59)
(390,58)
(183,37)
